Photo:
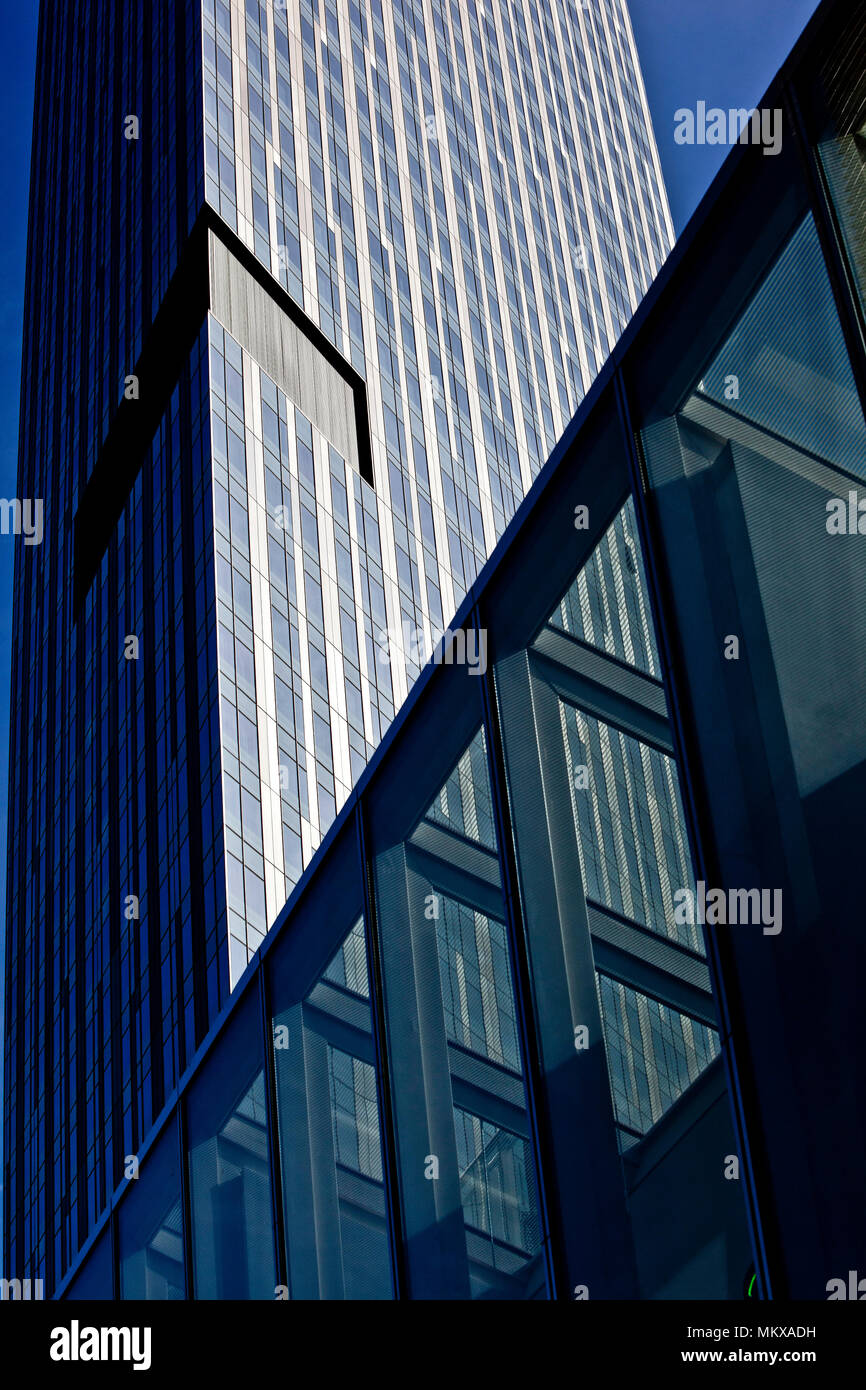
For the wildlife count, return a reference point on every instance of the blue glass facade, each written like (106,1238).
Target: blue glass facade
(366,1121)
(112,764)
(244,566)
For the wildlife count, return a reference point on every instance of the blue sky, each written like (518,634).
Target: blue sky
(690,51)
(723,54)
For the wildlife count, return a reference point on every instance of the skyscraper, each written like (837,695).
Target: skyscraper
(467,203)
(313,290)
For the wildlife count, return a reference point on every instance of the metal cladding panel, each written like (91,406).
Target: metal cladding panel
(283,350)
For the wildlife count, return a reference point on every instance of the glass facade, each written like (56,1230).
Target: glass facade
(150,1229)
(330,1138)
(451,1014)
(653,1055)
(479,987)
(309,303)
(751,450)
(469,212)
(484,1052)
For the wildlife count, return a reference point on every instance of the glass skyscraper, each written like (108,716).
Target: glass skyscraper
(467,203)
(568,1001)
(313,290)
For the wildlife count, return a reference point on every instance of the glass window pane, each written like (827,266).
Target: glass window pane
(476,982)
(349,966)
(150,1228)
(653,1054)
(607,606)
(631,834)
(500,1203)
(755,502)
(611,919)
(329,1132)
(230,1188)
(462,1127)
(787,373)
(94,1280)
(464,804)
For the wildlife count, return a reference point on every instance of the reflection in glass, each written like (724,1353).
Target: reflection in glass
(607,606)
(461,1123)
(329,1134)
(630,825)
(785,367)
(355,1114)
(770,467)
(349,966)
(476,982)
(231,1203)
(496,1183)
(464,804)
(150,1227)
(653,1053)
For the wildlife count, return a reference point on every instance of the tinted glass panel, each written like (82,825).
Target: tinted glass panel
(455,1051)
(607,606)
(329,1132)
(759,509)
(631,833)
(653,1054)
(150,1227)
(230,1189)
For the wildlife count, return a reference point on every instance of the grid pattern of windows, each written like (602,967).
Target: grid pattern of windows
(466,200)
(461,1053)
(106,801)
(476,982)
(356,1114)
(496,1186)
(653,1055)
(631,833)
(464,804)
(607,606)
(138,939)
(420,190)
(304,695)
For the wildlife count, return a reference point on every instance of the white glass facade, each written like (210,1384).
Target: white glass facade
(466,199)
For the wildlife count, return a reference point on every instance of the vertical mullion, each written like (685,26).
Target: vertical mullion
(186,1206)
(281,1260)
(555,1260)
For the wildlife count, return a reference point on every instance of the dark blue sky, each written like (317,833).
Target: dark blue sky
(690,50)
